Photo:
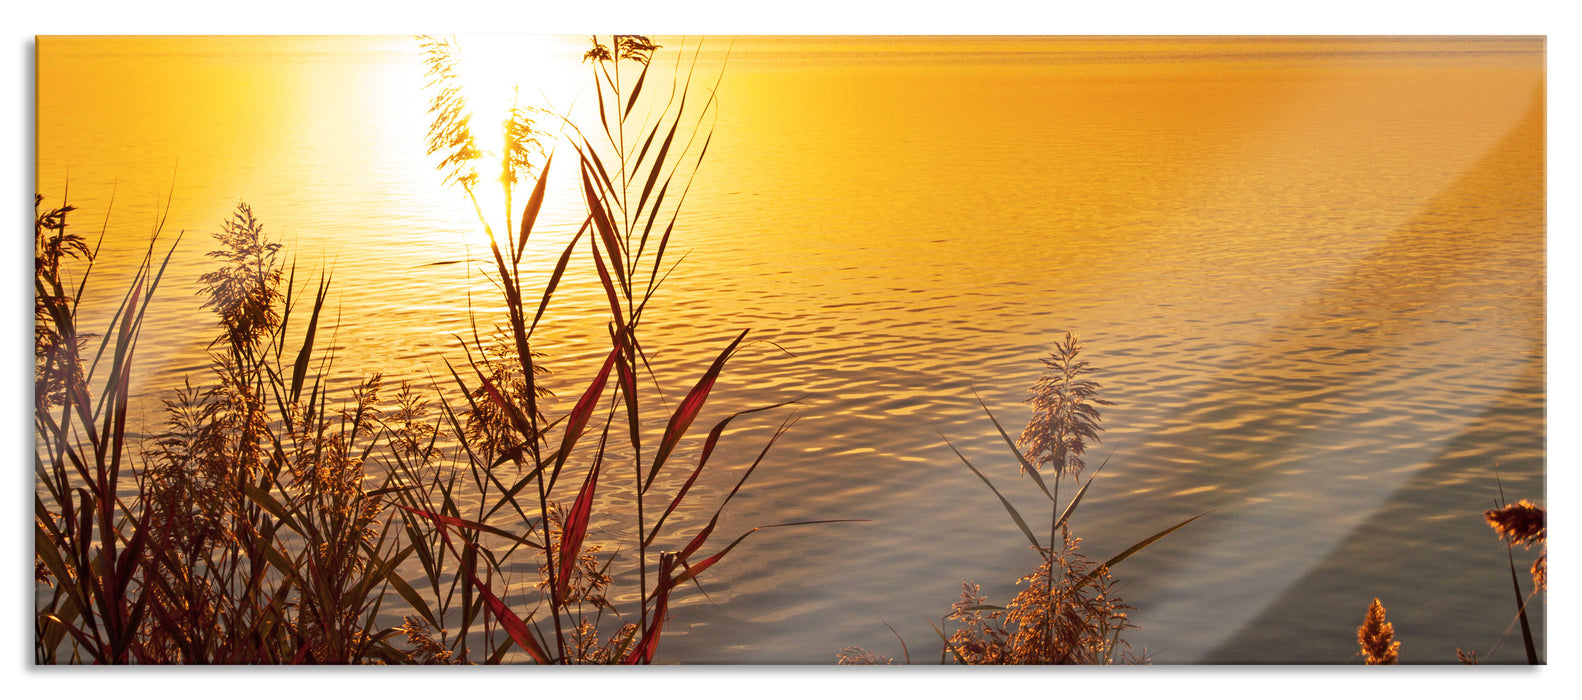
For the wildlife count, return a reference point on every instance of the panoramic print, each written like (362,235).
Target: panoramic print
(790,350)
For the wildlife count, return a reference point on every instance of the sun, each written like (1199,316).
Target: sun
(540,74)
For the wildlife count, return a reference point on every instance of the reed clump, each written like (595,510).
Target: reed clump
(1066,611)
(91,545)
(273,524)
(524,462)
(254,535)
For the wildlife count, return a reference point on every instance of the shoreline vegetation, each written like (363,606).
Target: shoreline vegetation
(270,522)
(271,519)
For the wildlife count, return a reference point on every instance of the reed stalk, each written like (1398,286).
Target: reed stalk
(1066,611)
(627,229)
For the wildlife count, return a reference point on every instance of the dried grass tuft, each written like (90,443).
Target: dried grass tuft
(1376,636)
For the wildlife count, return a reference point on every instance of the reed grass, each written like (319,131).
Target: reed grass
(1526,524)
(272,523)
(1521,523)
(89,542)
(516,453)
(1066,611)
(252,537)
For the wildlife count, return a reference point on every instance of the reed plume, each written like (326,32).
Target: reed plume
(450,131)
(1525,524)
(424,649)
(1376,636)
(245,291)
(858,656)
(488,425)
(1066,611)
(56,345)
(1065,411)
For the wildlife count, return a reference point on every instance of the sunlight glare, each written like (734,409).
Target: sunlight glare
(530,72)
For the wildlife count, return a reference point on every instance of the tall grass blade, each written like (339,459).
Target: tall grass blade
(452,521)
(1137,548)
(299,369)
(576,524)
(577,420)
(644,652)
(518,421)
(535,202)
(658,165)
(653,213)
(387,571)
(1027,467)
(605,224)
(693,570)
(1072,506)
(513,625)
(688,410)
(1521,612)
(948,646)
(1027,531)
(617,316)
(703,459)
(703,535)
(631,100)
(589,155)
(554,278)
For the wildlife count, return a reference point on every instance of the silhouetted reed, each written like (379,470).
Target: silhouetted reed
(89,544)
(253,538)
(261,531)
(529,510)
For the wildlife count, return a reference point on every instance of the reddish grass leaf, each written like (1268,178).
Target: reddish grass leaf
(628,379)
(692,571)
(688,410)
(610,293)
(576,526)
(534,203)
(518,421)
(697,541)
(443,520)
(644,652)
(513,624)
(577,421)
(604,223)
(703,459)
(554,279)
(659,164)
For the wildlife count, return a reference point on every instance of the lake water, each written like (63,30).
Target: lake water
(1309,273)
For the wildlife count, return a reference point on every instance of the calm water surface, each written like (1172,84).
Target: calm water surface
(1308,272)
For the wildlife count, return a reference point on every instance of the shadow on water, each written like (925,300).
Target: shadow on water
(1388,380)
(1425,527)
